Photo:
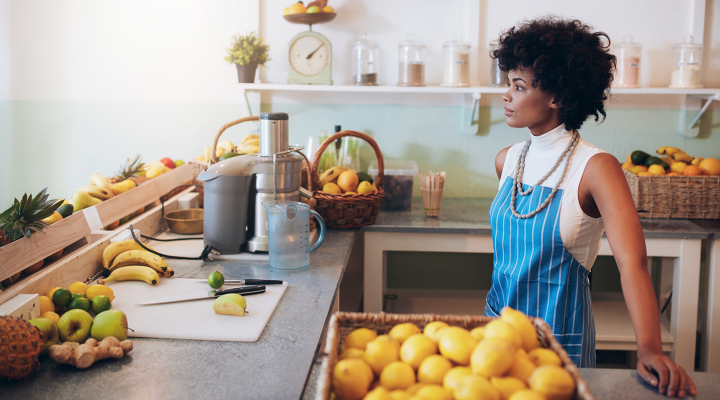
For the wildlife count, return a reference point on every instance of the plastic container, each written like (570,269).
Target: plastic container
(498,78)
(456,63)
(688,59)
(411,59)
(365,62)
(629,56)
(399,176)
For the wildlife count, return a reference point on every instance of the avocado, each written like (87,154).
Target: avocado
(65,210)
(228,155)
(364,177)
(638,157)
(654,160)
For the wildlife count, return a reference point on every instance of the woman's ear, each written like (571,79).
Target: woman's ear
(554,103)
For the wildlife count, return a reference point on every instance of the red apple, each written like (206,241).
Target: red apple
(168,162)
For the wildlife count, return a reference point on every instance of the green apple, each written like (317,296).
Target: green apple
(179,163)
(48,329)
(313,10)
(230,304)
(110,323)
(74,326)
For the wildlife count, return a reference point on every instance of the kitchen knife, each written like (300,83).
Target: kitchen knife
(245,290)
(248,281)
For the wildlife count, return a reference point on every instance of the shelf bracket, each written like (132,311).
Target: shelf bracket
(691,130)
(469,121)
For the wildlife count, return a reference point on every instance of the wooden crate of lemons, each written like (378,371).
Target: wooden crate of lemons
(493,359)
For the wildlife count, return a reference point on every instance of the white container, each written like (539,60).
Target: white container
(399,176)
(688,58)
(22,306)
(629,55)
(498,77)
(456,63)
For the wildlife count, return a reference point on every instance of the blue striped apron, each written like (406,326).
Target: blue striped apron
(534,273)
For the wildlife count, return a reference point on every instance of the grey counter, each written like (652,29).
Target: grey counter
(626,384)
(274,367)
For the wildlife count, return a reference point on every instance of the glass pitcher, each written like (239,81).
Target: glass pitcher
(289,234)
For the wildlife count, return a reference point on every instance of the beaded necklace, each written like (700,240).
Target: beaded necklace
(517,187)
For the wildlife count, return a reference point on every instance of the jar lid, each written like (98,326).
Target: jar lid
(364,42)
(456,42)
(494,43)
(688,44)
(628,42)
(411,42)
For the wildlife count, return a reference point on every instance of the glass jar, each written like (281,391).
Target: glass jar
(456,63)
(365,62)
(688,57)
(627,74)
(498,78)
(411,57)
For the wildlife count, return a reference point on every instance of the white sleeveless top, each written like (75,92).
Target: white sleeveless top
(579,232)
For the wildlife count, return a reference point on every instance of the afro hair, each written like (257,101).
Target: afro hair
(569,61)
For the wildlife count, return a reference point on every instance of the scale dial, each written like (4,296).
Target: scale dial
(309,56)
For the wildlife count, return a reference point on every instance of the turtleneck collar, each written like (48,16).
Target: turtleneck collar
(550,142)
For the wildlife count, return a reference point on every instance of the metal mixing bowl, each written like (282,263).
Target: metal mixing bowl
(185,222)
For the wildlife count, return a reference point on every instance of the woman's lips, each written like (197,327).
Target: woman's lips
(508,112)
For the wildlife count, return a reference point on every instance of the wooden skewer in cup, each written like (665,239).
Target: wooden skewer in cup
(431,186)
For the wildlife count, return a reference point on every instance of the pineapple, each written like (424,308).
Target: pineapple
(26,216)
(129,170)
(20,345)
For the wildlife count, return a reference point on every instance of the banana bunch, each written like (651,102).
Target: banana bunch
(93,194)
(128,261)
(679,155)
(249,145)
(331,175)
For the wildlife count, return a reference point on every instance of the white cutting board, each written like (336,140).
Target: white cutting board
(192,320)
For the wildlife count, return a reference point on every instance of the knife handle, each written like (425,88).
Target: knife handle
(245,290)
(262,282)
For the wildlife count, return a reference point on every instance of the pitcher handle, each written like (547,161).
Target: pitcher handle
(322,230)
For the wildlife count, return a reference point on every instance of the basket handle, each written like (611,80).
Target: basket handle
(342,134)
(213,158)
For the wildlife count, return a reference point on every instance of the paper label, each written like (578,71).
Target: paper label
(93,219)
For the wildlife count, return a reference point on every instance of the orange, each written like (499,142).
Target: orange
(297,8)
(692,170)
(348,181)
(628,165)
(710,166)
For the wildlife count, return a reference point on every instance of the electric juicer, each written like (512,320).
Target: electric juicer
(235,219)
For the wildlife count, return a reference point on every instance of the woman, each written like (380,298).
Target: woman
(546,237)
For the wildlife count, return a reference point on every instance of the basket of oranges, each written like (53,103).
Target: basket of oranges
(434,356)
(674,184)
(343,200)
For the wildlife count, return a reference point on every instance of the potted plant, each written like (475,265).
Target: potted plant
(247,52)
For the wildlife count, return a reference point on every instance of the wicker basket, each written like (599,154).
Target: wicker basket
(348,211)
(342,323)
(686,197)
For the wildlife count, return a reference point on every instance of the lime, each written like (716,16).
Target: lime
(78,296)
(216,280)
(100,303)
(79,304)
(61,297)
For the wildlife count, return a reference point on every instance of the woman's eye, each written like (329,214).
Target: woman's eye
(518,87)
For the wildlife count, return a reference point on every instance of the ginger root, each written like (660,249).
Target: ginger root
(84,355)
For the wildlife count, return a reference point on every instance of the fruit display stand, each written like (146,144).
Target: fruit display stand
(343,323)
(86,247)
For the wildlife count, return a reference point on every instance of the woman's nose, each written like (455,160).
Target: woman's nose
(506,96)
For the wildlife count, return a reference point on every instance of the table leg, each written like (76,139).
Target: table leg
(373,272)
(710,357)
(686,283)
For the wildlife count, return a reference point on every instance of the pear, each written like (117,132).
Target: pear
(82,200)
(48,329)
(230,304)
(110,323)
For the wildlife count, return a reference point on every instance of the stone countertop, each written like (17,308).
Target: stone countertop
(626,384)
(470,216)
(274,367)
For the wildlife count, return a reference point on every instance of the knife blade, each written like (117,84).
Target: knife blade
(245,291)
(248,281)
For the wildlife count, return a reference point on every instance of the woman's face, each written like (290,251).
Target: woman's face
(527,106)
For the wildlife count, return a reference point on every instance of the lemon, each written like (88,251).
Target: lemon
(331,188)
(473,387)
(352,353)
(313,10)
(627,165)
(51,315)
(656,169)
(457,344)
(553,382)
(351,379)
(55,217)
(359,338)
(522,366)
(379,393)
(433,369)
(400,395)
(478,333)
(526,394)
(365,187)
(286,11)
(503,330)
(542,356)
(523,326)
(492,357)
(507,386)
(78,287)
(402,331)
(413,389)
(644,174)
(453,377)
(432,328)
(434,392)
(328,9)
(416,348)
(678,167)
(391,340)
(397,376)
(46,304)
(97,290)
(381,352)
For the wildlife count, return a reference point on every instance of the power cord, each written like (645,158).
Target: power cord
(203,256)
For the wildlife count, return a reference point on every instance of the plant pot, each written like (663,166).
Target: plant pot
(246,73)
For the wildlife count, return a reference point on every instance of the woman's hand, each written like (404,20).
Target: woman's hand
(673,380)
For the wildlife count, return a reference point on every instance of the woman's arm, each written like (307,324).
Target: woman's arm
(500,161)
(604,191)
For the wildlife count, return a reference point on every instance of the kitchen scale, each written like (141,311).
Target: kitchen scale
(310,53)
